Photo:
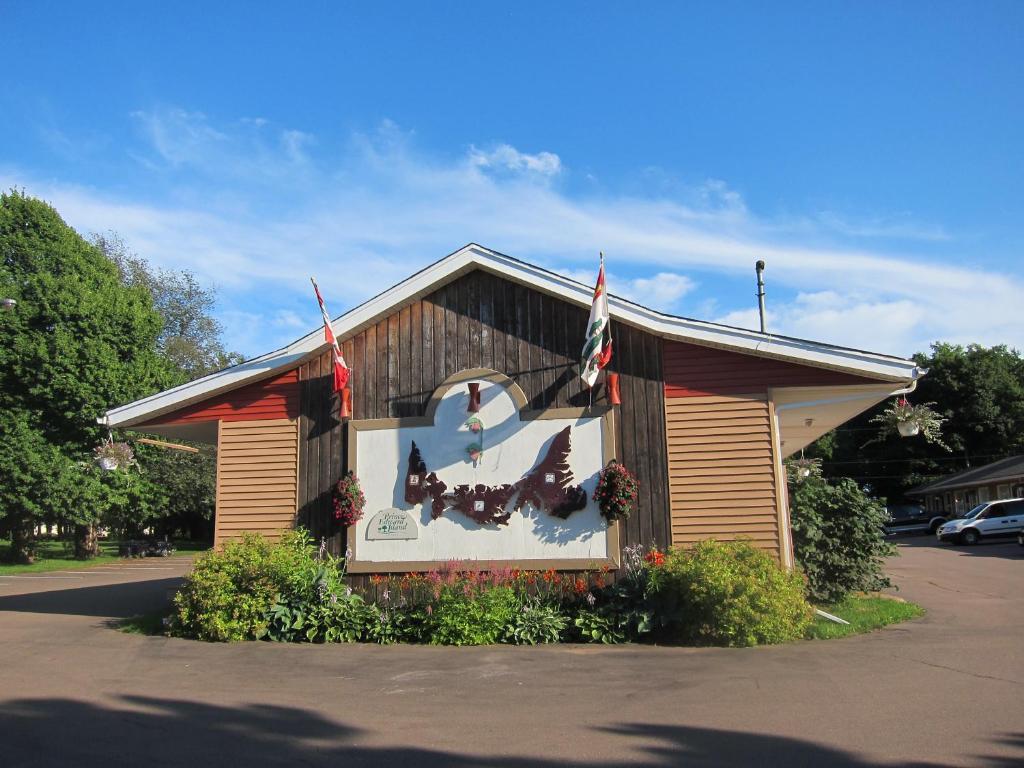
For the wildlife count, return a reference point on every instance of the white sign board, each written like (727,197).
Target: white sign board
(511,449)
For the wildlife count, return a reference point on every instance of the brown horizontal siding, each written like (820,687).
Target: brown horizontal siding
(257,477)
(695,371)
(722,482)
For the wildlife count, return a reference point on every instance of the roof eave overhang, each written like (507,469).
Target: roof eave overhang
(879,367)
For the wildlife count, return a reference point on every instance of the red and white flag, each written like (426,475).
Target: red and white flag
(340,367)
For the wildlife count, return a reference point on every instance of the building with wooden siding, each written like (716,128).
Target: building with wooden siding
(959,492)
(707,414)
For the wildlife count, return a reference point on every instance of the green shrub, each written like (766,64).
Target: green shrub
(838,538)
(317,607)
(536,622)
(230,592)
(463,615)
(597,627)
(636,602)
(731,593)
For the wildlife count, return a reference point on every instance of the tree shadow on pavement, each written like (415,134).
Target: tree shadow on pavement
(109,600)
(162,732)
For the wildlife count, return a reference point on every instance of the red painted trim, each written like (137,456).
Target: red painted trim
(276,398)
(691,370)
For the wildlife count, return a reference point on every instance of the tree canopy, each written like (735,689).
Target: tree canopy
(190,336)
(78,341)
(94,327)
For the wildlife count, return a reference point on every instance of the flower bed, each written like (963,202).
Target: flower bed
(715,593)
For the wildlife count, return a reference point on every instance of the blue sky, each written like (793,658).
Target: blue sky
(871,153)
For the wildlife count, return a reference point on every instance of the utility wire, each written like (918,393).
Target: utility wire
(923,458)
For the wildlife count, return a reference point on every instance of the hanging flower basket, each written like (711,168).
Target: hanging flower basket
(349,500)
(801,469)
(112,456)
(908,428)
(617,492)
(906,420)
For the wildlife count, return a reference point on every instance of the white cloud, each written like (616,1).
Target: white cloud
(294,143)
(378,209)
(286,318)
(863,322)
(509,158)
(663,291)
(178,135)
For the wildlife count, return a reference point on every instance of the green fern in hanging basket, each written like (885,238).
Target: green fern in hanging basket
(902,419)
(798,470)
(111,456)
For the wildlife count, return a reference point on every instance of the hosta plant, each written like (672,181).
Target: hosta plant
(536,622)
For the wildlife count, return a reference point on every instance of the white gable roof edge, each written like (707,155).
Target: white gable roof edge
(474,256)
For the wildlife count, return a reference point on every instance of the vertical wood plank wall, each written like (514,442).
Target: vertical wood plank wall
(257,477)
(722,469)
(481,320)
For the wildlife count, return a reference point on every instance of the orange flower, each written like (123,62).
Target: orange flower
(376,579)
(655,558)
(580,586)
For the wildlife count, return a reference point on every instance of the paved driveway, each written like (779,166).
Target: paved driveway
(945,690)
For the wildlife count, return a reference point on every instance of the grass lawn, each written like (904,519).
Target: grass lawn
(145,624)
(54,555)
(865,613)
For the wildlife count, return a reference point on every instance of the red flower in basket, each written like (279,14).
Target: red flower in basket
(348,500)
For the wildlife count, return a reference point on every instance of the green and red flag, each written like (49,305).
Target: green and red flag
(597,349)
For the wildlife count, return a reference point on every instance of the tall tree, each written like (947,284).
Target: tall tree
(190,336)
(980,392)
(191,344)
(78,342)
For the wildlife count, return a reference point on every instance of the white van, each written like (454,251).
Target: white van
(990,519)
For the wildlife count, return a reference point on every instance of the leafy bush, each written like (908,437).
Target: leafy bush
(318,609)
(727,594)
(536,622)
(468,615)
(598,627)
(838,538)
(230,592)
(636,601)
(731,593)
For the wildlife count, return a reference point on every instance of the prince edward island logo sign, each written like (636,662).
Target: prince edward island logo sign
(392,523)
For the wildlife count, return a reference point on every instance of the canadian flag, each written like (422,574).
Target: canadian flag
(340,367)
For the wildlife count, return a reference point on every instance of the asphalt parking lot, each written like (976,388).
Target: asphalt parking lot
(947,689)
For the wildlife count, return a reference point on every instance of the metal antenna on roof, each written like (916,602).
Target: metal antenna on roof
(759,268)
